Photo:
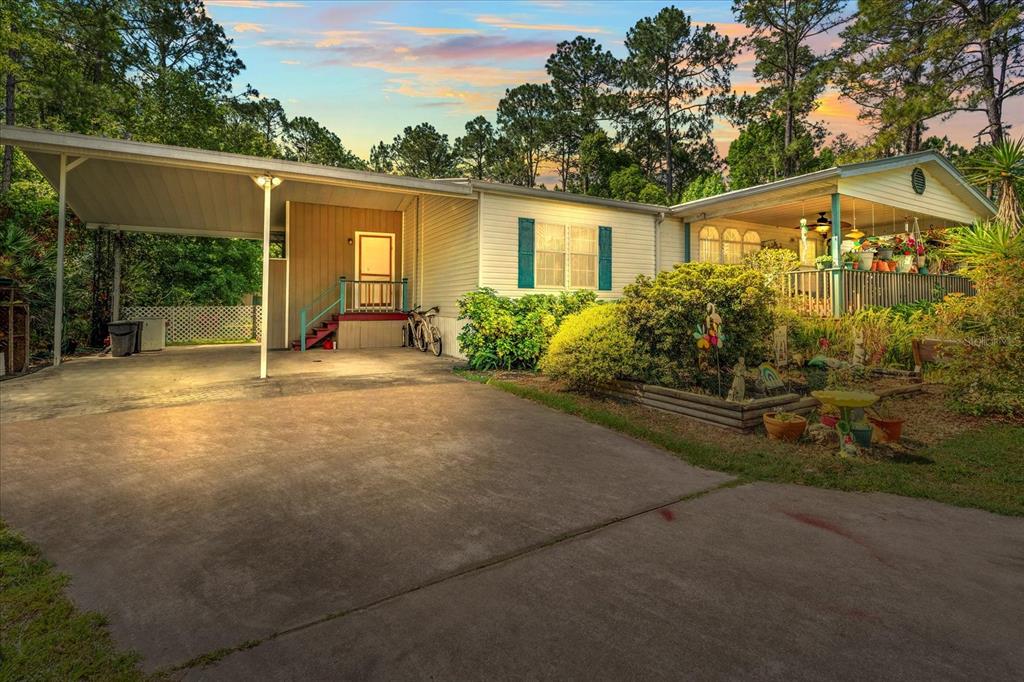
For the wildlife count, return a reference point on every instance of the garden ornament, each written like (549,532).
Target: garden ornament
(780,341)
(770,378)
(858,347)
(738,390)
(709,335)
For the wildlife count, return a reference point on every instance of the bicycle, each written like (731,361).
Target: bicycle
(421,331)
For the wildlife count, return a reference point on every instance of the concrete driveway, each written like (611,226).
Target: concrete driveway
(381,518)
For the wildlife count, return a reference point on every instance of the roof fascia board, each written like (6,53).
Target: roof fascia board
(178,231)
(47,141)
(699,205)
(551,195)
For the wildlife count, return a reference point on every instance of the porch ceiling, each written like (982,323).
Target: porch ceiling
(871,217)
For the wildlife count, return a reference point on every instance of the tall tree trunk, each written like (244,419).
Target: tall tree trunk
(5,184)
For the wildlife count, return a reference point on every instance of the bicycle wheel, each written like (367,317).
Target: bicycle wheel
(435,341)
(421,336)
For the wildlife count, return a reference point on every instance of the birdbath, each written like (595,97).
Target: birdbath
(846,401)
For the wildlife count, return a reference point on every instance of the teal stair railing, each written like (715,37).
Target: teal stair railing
(354,296)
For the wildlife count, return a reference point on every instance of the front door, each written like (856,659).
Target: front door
(375,262)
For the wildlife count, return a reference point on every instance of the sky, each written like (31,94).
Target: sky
(367,70)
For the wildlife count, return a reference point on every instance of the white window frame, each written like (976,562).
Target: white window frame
(735,243)
(567,254)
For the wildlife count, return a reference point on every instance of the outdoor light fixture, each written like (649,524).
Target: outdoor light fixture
(265,181)
(822,224)
(854,233)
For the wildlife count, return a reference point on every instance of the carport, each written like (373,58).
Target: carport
(127,186)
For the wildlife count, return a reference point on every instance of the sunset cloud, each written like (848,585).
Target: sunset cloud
(472,75)
(472,101)
(511,23)
(427,30)
(290,62)
(244,27)
(256,4)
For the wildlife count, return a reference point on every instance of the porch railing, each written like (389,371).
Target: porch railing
(369,296)
(813,290)
(353,295)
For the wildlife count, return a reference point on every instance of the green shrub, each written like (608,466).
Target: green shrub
(591,348)
(513,333)
(773,265)
(663,313)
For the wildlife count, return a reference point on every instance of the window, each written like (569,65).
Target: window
(583,245)
(277,245)
(550,255)
(732,247)
(708,246)
(751,242)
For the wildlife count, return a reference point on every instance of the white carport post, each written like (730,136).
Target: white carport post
(58,307)
(268,183)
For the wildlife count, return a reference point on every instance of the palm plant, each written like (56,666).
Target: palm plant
(973,244)
(1002,165)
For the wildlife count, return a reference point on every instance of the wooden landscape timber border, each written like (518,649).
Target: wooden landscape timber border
(745,416)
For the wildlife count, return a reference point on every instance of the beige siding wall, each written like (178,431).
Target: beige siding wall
(448,260)
(894,189)
(672,244)
(319,252)
(276,305)
(632,239)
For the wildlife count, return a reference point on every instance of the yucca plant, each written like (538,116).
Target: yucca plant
(971,245)
(1002,164)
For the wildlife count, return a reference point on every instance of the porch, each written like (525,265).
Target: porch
(830,217)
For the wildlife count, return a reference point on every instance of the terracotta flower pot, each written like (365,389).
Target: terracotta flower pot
(789,430)
(891,429)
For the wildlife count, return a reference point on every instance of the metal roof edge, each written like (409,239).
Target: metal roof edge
(41,140)
(485,187)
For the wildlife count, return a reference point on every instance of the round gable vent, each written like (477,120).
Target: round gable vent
(917,180)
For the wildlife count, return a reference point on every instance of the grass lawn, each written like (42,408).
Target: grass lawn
(42,635)
(964,461)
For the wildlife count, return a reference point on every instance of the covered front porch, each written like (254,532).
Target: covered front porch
(829,217)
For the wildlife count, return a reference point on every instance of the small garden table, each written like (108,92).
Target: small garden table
(846,401)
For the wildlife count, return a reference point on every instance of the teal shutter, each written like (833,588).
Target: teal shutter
(604,258)
(526,253)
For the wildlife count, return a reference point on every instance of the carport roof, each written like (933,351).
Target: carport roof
(176,190)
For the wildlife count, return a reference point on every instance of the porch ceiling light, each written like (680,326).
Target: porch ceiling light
(822,224)
(265,181)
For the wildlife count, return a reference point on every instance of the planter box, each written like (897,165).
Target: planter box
(745,416)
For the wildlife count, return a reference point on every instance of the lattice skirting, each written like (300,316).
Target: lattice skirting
(198,323)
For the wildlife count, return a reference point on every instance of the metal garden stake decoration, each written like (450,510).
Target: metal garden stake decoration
(709,338)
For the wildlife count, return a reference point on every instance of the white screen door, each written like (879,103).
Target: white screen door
(375,262)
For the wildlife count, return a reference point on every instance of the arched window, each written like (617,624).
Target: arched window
(709,248)
(751,242)
(732,246)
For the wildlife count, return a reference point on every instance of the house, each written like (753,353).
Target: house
(346,251)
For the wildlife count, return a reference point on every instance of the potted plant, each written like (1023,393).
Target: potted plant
(785,426)
(884,250)
(849,260)
(866,257)
(906,253)
(823,262)
(889,424)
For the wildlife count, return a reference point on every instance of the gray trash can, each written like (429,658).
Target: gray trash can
(123,335)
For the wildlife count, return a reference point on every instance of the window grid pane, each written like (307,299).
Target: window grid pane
(751,242)
(550,255)
(583,242)
(708,247)
(732,247)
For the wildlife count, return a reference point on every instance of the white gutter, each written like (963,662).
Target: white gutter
(551,195)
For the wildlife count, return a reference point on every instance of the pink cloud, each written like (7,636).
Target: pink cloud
(256,4)
(481,47)
(427,30)
(516,24)
(244,27)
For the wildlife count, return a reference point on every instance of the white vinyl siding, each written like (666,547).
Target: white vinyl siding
(632,239)
(448,260)
(672,244)
(893,188)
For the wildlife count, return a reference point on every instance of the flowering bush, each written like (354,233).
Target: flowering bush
(591,348)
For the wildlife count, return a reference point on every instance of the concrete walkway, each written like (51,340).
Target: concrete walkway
(396,522)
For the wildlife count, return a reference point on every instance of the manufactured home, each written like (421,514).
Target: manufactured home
(346,252)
